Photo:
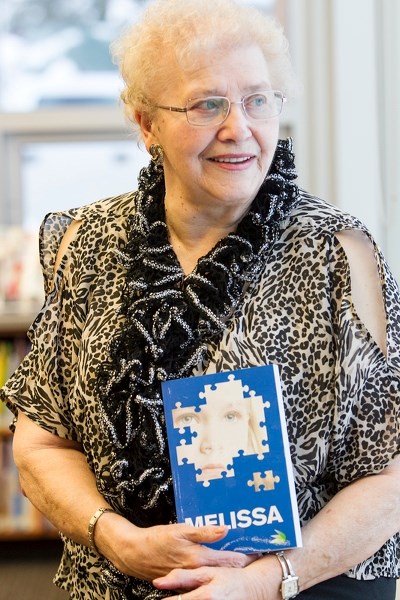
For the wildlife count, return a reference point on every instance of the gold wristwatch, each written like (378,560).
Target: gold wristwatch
(290,581)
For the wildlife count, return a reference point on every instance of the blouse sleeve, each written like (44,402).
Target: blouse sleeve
(365,438)
(39,387)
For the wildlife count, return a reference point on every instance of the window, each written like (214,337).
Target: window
(57,53)
(59,112)
(81,172)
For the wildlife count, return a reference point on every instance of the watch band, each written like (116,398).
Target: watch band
(290,581)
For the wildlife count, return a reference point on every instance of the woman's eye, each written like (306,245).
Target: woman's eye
(207,105)
(257,101)
(212,104)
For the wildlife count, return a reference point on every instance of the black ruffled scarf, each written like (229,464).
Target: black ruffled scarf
(170,320)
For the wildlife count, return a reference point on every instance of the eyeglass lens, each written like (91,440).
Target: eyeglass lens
(215,109)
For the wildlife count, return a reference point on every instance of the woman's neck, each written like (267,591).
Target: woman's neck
(192,234)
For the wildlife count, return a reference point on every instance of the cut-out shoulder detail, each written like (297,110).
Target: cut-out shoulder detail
(365,283)
(65,242)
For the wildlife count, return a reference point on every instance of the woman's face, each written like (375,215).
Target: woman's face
(219,166)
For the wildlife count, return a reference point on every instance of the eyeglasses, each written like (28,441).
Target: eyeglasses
(213,110)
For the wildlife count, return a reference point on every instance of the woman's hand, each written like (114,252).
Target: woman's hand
(219,583)
(148,553)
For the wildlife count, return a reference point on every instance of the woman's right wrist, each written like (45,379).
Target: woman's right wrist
(93,524)
(113,535)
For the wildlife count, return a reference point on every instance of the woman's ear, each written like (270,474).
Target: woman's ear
(145,124)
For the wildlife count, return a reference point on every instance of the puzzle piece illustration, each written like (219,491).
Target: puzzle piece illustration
(176,412)
(227,472)
(186,453)
(263,481)
(231,402)
(179,417)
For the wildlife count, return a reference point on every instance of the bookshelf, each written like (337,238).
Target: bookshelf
(20,522)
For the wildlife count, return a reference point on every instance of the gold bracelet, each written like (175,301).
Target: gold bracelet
(92,525)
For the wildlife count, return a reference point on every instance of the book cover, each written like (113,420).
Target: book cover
(230,457)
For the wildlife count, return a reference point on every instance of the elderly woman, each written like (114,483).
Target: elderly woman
(217,262)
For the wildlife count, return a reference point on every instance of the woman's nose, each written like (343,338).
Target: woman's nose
(236,126)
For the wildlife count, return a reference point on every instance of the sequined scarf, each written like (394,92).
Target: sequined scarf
(170,320)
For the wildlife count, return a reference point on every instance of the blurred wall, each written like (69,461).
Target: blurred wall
(347,56)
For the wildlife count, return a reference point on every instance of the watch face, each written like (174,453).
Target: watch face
(290,588)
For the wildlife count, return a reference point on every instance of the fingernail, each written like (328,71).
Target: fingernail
(220,529)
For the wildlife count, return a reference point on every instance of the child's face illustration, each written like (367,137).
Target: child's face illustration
(222,429)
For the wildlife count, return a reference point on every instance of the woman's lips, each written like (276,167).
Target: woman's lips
(233,163)
(232,160)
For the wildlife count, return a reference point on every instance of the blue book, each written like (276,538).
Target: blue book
(230,457)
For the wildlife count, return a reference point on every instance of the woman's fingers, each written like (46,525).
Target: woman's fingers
(214,582)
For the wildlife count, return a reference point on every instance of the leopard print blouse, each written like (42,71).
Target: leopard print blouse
(341,394)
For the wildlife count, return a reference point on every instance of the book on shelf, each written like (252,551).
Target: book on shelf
(230,457)
(18,517)
(20,271)
(12,352)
